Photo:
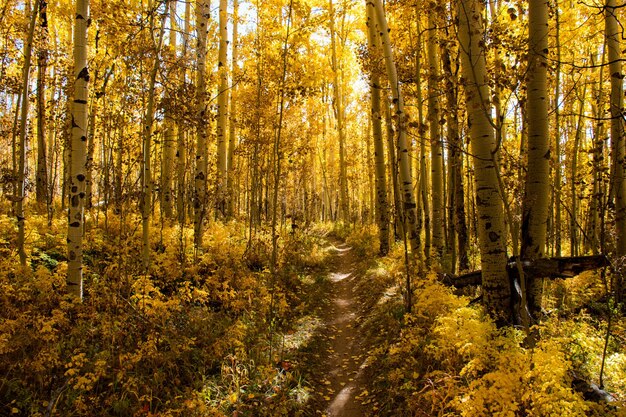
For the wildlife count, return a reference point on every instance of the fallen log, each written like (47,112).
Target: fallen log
(552,268)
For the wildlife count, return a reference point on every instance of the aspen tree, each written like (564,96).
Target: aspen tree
(200,177)
(42,191)
(21,167)
(382,210)
(76,211)
(232,124)
(422,195)
(222,109)
(171,130)
(393,168)
(455,168)
(573,180)
(613,35)
(408,201)
(436,154)
(181,184)
(148,129)
(557,136)
(535,206)
(339,115)
(491,232)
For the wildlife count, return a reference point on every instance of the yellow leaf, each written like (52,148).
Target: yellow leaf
(233,398)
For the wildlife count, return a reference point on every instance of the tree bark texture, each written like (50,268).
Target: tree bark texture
(408,203)
(535,206)
(76,211)
(491,231)
(382,209)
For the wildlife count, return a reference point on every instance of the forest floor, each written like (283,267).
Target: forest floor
(335,360)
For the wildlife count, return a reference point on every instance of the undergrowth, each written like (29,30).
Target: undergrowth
(199,335)
(447,358)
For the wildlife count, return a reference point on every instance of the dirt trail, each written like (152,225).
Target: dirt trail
(345,355)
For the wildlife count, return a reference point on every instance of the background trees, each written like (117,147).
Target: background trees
(149,123)
(177,119)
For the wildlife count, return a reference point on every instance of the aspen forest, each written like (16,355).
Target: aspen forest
(356,208)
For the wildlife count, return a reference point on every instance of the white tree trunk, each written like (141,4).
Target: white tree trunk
(491,232)
(408,200)
(222,109)
(382,208)
(76,212)
(535,207)
(200,180)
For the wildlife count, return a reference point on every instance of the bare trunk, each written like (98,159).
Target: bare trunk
(76,212)
(535,206)
(338,106)
(148,128)
(42,66)
(222,109)
(382,210)
(232,124)
(557,137)
(436,154)
(410,215)
(458,225)
(21,167)
(200,177)
(171,129)
(491,231)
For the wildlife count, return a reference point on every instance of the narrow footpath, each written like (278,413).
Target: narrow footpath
(341,382)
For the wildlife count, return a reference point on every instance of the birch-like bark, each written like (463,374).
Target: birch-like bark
(181,151)
(436,154)
(491,232)
(171,129)
(613,37)
(41,182)
(232,123)
(76,212)
(222,109)
(535,206)
(200,177)
(458,224)
(339,115)
(21,164)
(148,128)
(382,209)
(408,203)
(557,136)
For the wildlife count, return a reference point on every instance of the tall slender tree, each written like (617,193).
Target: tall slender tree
(613,37)
(491,232)
(171,128)
(42,68)
(535,206)
(148,130)
(382,210)
(436,151)
(222,112)
(232,122)
(76,212)
(408,196)
(339,116)
(200,177)
(21,163)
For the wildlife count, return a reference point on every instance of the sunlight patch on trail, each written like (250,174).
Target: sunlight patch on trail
(337,276)
(389,294)
(339,402)
(341,251)
(306,327)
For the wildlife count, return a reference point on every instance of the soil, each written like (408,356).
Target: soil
(345,353)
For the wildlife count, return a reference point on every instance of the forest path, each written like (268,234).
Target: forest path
(344,353)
